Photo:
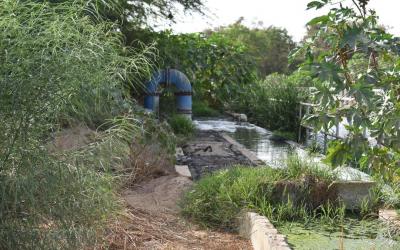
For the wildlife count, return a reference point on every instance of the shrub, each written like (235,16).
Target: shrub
(272,103)
(181,125)
(60,67)
(202,109)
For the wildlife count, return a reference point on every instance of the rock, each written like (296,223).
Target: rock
(183,170)
(239,117)
(242,118)
(179,152)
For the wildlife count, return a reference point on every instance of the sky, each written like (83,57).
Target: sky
(289,14)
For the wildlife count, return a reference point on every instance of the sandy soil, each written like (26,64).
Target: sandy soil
(152,221)
(159,195)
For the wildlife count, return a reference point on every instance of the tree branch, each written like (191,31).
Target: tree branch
(359,8)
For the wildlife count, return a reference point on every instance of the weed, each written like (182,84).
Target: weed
(314,148)
(181,125)
(280,194)
(202,109)
(271,103)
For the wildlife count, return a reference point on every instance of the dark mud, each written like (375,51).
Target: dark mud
(209,151)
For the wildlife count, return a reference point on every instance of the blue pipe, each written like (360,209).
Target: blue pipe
(183,90)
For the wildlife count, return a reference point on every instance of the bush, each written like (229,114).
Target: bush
(217,200)
(202,109)
(60,67)
(181,125)
(272,103)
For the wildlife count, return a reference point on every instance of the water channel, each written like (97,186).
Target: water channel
(256,139)
(353,234)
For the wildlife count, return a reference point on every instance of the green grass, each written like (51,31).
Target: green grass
(217,200)
(181,125)
(202,109)
(285,134)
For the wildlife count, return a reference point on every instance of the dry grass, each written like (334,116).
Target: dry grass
(146,161)
(138,229)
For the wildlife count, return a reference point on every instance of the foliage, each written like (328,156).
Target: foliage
(202,109)
(285,135)
(272,103)
(58,67)
(268,47)
(358,82)
(155,132)
(181,125)
(217,200)
(214,64)
(136,13)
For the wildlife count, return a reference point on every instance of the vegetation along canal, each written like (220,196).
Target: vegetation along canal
(351,231)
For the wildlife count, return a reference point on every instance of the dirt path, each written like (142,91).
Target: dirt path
(152,221)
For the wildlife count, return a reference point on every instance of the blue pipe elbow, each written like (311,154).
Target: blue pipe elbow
(167,78)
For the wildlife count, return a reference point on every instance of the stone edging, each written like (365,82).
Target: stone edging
(247,153)
(261,232)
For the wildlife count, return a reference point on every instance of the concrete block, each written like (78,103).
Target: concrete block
(179,152)
(353,193)
(183,170)
(261,232)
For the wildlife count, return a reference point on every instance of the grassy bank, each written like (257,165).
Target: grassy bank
(301,192)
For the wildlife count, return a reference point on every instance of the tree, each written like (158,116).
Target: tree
(358,81)
(269,47)
(135,13)
(215,64)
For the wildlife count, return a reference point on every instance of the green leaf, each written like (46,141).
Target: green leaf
(319,20)
(316,4)
(351,37)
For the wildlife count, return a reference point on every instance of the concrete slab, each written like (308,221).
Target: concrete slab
(261,232)
(208,151)
(353,193)
(178,152)
(183,170)
(250,155)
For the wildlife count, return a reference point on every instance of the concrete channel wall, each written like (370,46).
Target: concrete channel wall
(262,234)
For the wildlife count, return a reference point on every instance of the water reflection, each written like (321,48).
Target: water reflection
(272,152)
(254,138)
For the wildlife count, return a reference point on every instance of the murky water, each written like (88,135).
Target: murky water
(274,153)
(351,234)
(254,138)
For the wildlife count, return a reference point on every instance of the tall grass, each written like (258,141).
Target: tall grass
(181,125)
(272,102)
(58,68)
(282,195)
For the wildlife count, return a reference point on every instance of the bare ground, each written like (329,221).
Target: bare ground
(151,218)
(152,221)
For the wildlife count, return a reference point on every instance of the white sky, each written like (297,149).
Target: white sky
(289,14)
